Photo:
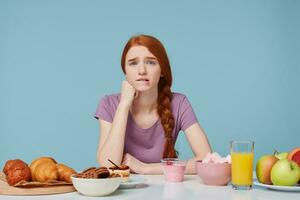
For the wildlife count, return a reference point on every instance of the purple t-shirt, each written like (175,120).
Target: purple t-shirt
(147,145)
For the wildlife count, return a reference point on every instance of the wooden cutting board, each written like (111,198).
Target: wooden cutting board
(6,189)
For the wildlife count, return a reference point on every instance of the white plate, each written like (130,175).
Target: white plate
(277,187)
(132,182)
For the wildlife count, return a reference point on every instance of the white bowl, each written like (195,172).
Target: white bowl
(96,187)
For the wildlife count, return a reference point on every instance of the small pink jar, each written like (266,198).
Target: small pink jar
(173,169)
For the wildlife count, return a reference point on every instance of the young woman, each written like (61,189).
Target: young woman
(139,126)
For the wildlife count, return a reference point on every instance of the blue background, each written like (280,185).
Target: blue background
(237,61)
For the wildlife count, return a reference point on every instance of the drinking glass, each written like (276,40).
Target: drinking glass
(242,153)
(173,169)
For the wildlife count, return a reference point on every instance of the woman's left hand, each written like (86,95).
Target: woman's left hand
(135,165)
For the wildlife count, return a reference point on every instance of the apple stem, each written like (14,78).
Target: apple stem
(275,152)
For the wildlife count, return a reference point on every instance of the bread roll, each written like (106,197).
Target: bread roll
(9,164)
(16,171)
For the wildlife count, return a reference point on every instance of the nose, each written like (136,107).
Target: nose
(142,69)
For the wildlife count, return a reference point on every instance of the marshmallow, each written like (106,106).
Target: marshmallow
(216,158)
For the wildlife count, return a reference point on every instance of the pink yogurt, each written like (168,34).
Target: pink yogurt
(173,169)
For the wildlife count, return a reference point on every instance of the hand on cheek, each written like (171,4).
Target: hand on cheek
(127,93)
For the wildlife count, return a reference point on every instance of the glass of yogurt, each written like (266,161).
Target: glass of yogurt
(173,169)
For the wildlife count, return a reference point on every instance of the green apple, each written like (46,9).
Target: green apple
(263,168)
(282,155)
(285,172)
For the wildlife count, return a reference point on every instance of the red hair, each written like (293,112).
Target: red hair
(164,87)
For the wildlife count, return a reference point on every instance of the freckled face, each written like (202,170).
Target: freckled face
(142,68)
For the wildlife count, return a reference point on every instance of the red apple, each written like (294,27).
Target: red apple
(263,168)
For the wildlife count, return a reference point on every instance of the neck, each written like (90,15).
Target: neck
(145,101)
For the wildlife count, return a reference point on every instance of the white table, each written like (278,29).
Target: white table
(155,187)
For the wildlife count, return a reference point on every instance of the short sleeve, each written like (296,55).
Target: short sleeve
(104,111)
(187,116)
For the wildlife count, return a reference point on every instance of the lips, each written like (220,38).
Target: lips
(143,79)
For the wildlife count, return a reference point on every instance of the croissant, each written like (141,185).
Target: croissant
(46,168)
(43,169)
(64,172)
(37,161)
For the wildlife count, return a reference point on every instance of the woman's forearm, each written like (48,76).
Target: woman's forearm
(113,146)
(156,168)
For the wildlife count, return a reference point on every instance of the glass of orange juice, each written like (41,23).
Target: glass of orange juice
(242,155)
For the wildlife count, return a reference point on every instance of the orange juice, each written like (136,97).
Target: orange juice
(242,168)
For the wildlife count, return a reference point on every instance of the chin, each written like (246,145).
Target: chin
(143,88)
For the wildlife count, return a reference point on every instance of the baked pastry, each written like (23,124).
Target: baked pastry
(44,169)
(93,172)
(37,161)
(123,171)
(64,172)
(45,172)
(16,171)
(9,164)
(102,172)
(88,173)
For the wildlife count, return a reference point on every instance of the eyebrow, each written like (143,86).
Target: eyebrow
(151,58)
(132,59)
(148,57)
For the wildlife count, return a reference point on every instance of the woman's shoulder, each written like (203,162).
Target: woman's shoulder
(177,97)
(111,99)
(115,96)
(107,107)
(179,100)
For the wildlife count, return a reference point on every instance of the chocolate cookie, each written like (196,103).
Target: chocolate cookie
(102,172)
